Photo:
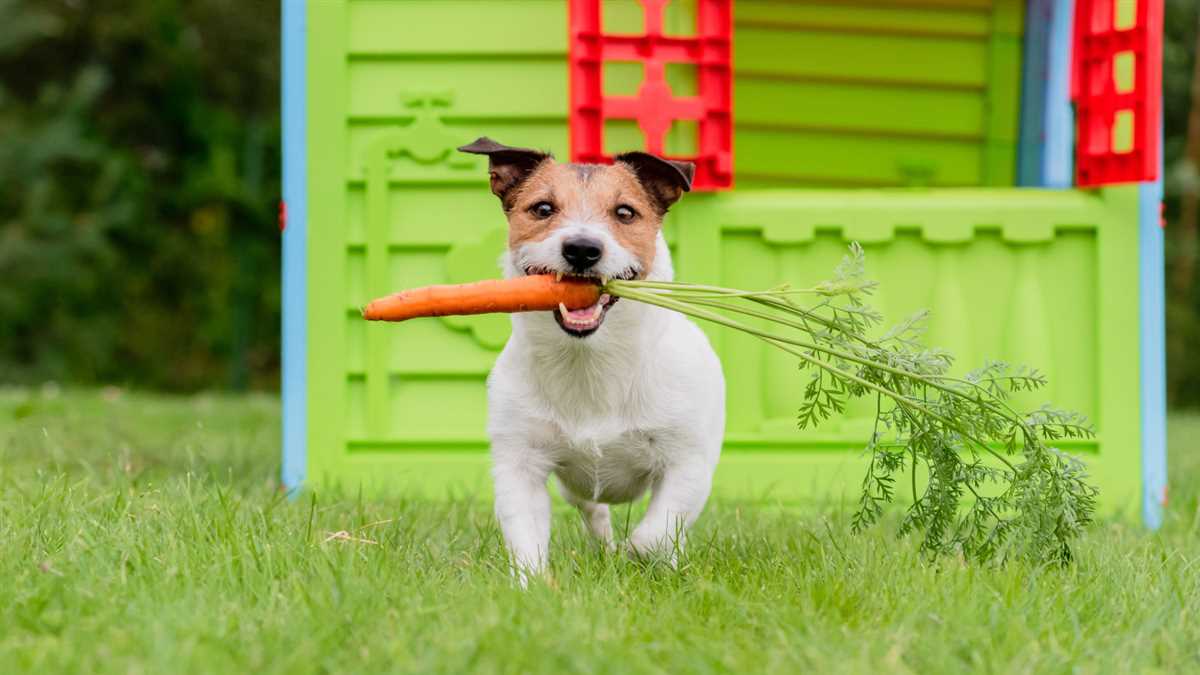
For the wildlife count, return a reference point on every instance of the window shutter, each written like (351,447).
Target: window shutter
(655,107)
(1117,90)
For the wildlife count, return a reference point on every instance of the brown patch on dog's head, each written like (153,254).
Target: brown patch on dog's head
(541,195)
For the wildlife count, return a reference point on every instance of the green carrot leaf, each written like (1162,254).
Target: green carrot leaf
(981,478)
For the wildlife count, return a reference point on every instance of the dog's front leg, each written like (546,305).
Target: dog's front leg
(523,509)
(676,501)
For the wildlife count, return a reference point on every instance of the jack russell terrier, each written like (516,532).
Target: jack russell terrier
(614,399)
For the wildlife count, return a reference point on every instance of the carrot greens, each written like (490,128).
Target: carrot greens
(982,477)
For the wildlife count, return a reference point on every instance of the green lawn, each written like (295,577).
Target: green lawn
(145,534)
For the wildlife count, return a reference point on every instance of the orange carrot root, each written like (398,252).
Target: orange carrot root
(541,292)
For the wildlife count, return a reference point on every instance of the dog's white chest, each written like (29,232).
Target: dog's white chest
(611,470)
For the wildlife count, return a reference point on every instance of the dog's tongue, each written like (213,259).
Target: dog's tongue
(585,314)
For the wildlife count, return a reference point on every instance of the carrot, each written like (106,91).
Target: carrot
(539,292)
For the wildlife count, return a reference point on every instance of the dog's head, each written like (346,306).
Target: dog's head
(590,220)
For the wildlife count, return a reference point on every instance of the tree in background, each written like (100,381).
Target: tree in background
(1181,113)
(139,177)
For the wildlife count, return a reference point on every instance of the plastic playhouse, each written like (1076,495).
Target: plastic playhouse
(998,159)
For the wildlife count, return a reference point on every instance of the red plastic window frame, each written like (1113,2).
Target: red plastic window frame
(1098,102)
(655,107)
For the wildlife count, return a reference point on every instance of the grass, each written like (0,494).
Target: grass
(146,534)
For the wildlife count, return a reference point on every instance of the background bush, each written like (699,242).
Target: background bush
(139,178)
(139,182)
(1183,302)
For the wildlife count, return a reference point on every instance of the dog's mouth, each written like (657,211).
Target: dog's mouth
(583,322)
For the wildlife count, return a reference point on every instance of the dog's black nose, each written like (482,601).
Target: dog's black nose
(581,253)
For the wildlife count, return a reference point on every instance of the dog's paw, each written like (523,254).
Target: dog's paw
(653,549)
(524,578)
(531,571)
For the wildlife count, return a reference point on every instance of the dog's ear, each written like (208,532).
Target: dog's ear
(507,166)
(666,180)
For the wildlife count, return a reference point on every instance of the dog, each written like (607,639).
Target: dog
(615,399)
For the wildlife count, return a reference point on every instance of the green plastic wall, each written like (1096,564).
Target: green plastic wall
(877,94)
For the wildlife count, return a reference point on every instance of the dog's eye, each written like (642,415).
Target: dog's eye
(542,210)
(625,213)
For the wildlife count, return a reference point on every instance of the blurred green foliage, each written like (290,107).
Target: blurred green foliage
(1183,305)
(139,183)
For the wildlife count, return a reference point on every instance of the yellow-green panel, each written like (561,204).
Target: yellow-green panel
(911,19)
(867,73)
(456,27)
(803,157)
(786,51)
(856,108)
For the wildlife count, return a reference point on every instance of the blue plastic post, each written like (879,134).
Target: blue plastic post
(294,332)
